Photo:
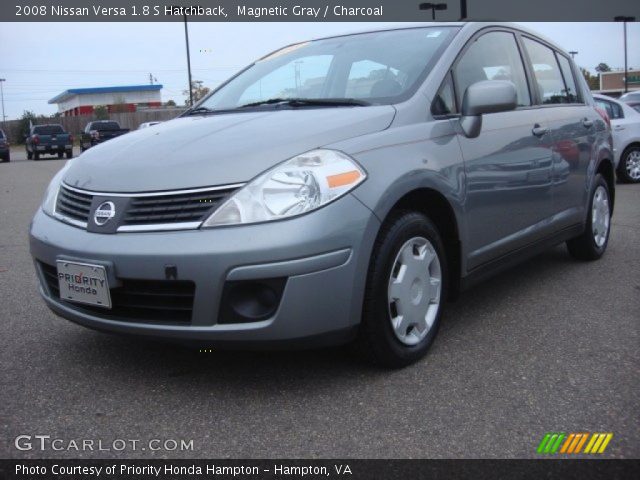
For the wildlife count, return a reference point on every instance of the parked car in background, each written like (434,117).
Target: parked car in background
(147,125)
(417,162)
(5,152)
(625,128)
(100,131)
(50,139)
(630,97)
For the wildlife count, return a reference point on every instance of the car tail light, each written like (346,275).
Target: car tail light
(605,117)
(36,139)
(70,138)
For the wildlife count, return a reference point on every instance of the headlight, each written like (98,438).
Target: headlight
(51,194)
(299,185)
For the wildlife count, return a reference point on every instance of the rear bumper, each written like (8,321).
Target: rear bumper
(52,148)
(323,256)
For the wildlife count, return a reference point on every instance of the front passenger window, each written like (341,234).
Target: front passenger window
(493,56)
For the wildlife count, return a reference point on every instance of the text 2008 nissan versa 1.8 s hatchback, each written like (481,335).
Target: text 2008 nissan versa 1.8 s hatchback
(336,190)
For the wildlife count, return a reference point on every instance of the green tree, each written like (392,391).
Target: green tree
(101,112)
(27,118)
(592,80)
(197,89)
(602,67)
(170,103)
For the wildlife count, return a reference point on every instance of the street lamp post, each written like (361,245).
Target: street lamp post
(2,80)
(186,39)
(433,7)
(573,54)
(624,19)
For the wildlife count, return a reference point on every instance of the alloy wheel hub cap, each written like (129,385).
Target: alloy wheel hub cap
(633,164)
(414,290)
(600,216)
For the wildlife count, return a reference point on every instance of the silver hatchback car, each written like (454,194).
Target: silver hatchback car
(338,190)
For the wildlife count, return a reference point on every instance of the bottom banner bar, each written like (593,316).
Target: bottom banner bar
(316,469)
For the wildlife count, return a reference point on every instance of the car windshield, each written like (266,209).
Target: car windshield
(106,126)
(369,68)
(48,129)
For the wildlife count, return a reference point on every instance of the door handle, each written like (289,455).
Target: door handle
(618,127)
(539,131)
(586,123)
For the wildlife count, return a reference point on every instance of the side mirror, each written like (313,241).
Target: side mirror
(488,96)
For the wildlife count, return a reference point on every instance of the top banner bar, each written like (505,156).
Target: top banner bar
(315,10)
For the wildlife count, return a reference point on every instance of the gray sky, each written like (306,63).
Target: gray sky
(75,55)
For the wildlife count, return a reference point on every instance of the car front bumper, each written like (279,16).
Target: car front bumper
(323,256)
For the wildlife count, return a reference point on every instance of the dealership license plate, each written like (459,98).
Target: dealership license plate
(83,283)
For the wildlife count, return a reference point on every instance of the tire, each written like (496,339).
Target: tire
(593,242)
(29,154)
(69,154)
(36,156)
(629,166)
(60,154)
(385,336)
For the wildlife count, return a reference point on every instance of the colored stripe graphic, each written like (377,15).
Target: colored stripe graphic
(572,443)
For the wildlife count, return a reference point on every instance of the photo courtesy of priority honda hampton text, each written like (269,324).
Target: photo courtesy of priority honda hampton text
(343,202)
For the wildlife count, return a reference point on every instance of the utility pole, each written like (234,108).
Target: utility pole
(186,38)
(433,7)
(2,80)
(624,19)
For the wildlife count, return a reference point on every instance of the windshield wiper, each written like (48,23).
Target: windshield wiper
(200,111)
(314,102)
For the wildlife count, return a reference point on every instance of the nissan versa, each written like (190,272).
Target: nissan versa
(338,190)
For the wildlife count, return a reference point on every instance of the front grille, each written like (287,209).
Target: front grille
(185,207)
(73,204)
(142,301)
(146,211)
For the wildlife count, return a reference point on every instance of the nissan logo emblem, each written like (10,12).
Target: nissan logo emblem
(105,212)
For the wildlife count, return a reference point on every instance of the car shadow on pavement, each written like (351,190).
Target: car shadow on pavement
(118,356)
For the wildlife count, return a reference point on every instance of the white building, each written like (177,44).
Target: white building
(128,98)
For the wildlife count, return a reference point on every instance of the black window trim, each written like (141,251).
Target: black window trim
(581,98)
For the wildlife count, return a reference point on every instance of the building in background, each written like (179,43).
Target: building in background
(128,98)
(612,83)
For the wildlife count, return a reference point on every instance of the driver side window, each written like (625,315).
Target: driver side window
(493,56)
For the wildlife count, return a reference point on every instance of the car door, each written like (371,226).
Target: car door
(625,128)
(573,130)
(508,166)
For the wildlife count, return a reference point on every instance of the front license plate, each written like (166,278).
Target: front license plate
(83,283)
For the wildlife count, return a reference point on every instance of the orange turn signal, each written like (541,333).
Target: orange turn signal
(342,179)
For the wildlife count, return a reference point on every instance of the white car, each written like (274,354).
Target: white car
(147,124)
(625,127)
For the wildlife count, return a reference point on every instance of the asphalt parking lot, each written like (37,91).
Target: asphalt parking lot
(550,346)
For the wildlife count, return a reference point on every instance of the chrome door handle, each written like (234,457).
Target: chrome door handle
(539,131)
(618,127)
(586,123)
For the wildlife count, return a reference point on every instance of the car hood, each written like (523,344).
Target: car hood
(199,151)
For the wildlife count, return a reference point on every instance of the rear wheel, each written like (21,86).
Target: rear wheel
(29,154)
(60,154)
(629,167)
(592,244)
(69,153)
(36,156)
(405,291)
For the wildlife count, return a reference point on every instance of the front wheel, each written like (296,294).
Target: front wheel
(36,156)
(593,242)
(629,167)
(406,288)
(29,154)
(69,154)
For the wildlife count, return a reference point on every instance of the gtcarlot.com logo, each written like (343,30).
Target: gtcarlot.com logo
(573,443)
(46,442)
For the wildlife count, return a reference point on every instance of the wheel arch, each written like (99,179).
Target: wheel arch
(606,169)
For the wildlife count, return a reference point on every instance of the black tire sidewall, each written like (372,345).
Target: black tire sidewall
(598,251)
(388,348)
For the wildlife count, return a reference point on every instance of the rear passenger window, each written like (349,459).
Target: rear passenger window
(548,78)
(569,81)
(493,56)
